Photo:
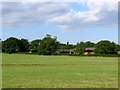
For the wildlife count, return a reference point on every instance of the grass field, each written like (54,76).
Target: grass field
(33,71)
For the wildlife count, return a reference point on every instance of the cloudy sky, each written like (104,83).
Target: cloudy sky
(83,20)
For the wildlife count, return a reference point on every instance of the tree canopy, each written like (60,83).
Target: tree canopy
(11,45)
(49,46)
(106,47)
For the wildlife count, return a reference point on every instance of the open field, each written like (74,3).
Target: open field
(33,71)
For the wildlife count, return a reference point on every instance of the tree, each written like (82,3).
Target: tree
(11,45)
(34,45)
(0,45)
(24,45)
(106,47)
(66,46)
(48,45)
(89,44)
(118,47)
(80,48)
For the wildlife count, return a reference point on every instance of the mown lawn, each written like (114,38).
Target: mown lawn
(34,71)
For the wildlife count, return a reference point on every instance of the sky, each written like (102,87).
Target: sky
(83,20)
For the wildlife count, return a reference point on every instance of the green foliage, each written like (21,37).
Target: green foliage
(80,48)
(24,45)
(89,44)
(106,47)
(34,45)
(11,45)
(0,46)
(14,45)
(118,47)
(66,46)
(48,45)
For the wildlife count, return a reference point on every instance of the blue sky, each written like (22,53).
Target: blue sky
(70,22)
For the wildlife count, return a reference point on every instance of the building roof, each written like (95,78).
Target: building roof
(90,48)
(66,50)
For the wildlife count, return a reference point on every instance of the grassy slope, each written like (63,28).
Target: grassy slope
(60,72)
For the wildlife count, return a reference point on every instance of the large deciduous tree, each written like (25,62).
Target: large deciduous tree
(89,44)
(11,45)
(80,48)
(106,47)
(34,45)
(48,45)
(14,45)
(24,45)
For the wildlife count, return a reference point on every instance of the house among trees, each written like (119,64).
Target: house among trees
(118,52)
(50,46)
(67,51)
(89,50)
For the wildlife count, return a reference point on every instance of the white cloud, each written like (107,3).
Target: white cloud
(34,1)
(100,13)
(15,14)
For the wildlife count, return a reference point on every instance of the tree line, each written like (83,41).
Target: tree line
(50,46)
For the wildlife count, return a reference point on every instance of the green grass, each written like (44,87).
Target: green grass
(59,72)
